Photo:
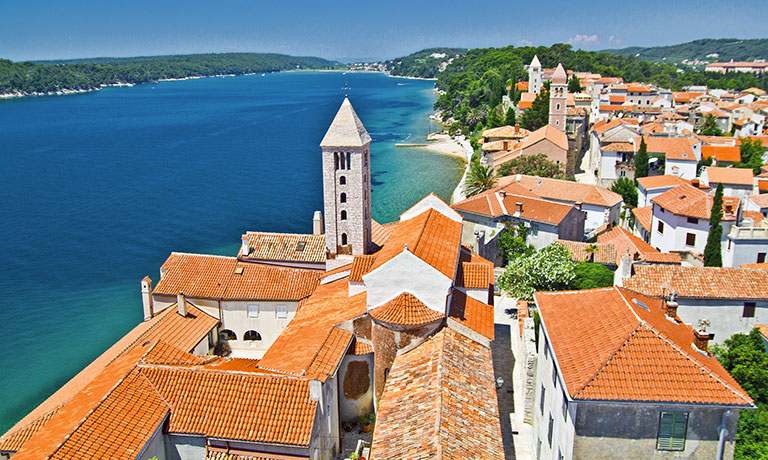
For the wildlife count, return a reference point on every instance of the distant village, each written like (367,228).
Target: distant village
(394,340)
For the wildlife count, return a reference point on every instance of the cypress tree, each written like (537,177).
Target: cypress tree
(494,119)
(641,160)
(713,256)
(509,118)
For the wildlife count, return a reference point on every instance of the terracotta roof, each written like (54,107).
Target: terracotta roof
(13,441)
(608,347)
(216,277)
(762,266)
(763,330)
(295,349)
(617,98)
(700,282)
(467,255)
(618,147)
(673,148)
(760,200)
(489,203)
(424,410)
(285,247)
(644,216)
(380,233)
(686,200)
(470,312)
(580,252)
(564,190)
(405,310)
(362,348)
(474,275)
(510,132)
(431,236)
(361,264)
(550,133)
(738,176)
(663,258)
(625,242)
(717,140)
(669,180)
(328,357)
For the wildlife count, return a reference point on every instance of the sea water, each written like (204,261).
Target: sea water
(97,189)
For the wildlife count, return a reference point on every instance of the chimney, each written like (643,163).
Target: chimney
(695,182)
(317,223)
(244,249)
(701,340)
(502,193)
(518,207)
(181,301)
(728,208)
(517,129)
(670,309)
(146,298)
(578,205)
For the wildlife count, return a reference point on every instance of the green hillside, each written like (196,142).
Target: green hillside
(89,74)
(723,50)
(424,64)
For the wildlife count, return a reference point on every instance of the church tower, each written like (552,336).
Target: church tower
(534,76)
(347,183)
(558,98)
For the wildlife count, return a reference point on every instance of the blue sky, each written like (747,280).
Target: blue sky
(47,29)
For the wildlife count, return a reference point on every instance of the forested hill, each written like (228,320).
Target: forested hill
(723,50)
(423,64)
(87,74)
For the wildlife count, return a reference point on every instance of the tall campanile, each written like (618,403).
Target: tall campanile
(347,183)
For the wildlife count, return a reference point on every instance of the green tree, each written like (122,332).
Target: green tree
(573,85)
(641,160)
(713,256)
(709,126)
(703,163)
(744,357)
(532,165)
(627,189)
(479,179)
(751,154)
(513,241)
(494,118)
(509,117)
(548,269)
(538,115)
(588,275)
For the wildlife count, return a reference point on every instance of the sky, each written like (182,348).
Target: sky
(342,29)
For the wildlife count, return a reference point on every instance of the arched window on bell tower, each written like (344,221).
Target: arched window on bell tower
(336,161)
(343,198)
(344,239)
(343,215)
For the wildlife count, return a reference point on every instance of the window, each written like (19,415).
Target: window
(349,161)
(541,402)
(546,348)
(343,158)
(253,310)
(252,335)
(343,239)
(554,374)
(549,432)
(342,180)
(660,227)
(343,198)
(343,215)
(535,230)
(301,245)
(672,429)
(335,160)
(226,334)
(760,257)
(565,406)
(558,106)
(749,310)
(690,239)
(693,220)
(281,311)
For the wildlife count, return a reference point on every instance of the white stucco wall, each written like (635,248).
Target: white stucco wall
(738,252)
(680,168)
(350,409)
(644,196)
(325,430)
(406,272)
(607,169)
(179,447)
(725,315)
(267,324)
(676,229)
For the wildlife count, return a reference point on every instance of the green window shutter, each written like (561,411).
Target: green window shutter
(672,431)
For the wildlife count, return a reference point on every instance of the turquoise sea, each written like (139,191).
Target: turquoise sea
(97,189)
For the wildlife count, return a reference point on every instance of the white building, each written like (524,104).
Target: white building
(650,187)
(736,181)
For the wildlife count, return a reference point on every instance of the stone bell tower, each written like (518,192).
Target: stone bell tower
(347,183)
(534,76)
(558,98)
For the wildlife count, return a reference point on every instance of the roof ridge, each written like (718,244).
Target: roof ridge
(610,358)
(254,232)
(202,255)
(421,232)
(10,434)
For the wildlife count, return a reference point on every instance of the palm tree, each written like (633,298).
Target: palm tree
(591,250)
(479,179)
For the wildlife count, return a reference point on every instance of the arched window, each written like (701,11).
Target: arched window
(343,157)
(252,335)
(335,160)
(343,198)
(349,161)
(226,334)
(343,215)
(344,239)
(558,106)
(342,180)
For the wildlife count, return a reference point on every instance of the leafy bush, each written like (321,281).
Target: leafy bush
(588,275)
(549,269)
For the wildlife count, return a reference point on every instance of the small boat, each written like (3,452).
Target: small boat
(263,75)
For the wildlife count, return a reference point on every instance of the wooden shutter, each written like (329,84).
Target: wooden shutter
(672,430)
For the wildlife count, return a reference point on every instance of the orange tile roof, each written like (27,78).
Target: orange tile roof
(233,454)
(580,252)
(467,255)
(405,310)
(295,349)
(430,236)
(424,410)
(564,190)
(13,441)
(663,258)
(216,277)
(550,133)
(686,200)
(761,266)
(763,330)
(760,200)
(673,148)
(328,357)
(489,204)
(617,98)
(669,180)
(738,176)
(285,247)
(608,347)
(362,348)
(700,282)
(380,233)
(474,275)
(506,132)
(625,242)
(618,147)
(470,312)
(361,265)
(644,216)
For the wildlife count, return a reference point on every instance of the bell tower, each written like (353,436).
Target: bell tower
(534,76)
(558,98)
(347,183)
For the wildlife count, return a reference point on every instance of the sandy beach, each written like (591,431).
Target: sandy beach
(449,147)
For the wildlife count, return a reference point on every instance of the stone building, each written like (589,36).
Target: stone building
(558,98)
(534,76)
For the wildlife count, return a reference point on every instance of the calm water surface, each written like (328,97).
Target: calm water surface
(97,189)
